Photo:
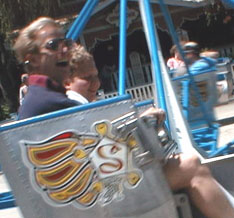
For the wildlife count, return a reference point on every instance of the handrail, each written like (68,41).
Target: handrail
(81,20)
(176,41)
(186,76)
(122,46)
(149,26)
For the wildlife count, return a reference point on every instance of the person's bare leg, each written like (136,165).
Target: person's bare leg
(187,172)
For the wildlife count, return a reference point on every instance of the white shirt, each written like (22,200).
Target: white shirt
(76,97)
(22,92)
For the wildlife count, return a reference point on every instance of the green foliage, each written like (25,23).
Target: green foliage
(213,9)
(4,111)
(17,13)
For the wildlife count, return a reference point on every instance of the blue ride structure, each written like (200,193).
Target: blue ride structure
(41,187)
(228,3)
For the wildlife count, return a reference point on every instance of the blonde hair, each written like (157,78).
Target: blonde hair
(79,57)
(25,43)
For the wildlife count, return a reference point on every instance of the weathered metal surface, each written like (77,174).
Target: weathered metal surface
(79,165)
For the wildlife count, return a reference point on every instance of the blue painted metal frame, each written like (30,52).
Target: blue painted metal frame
(65,112)
(185,94)
(186,76)
(153,49)
(6,200)
(144,103)
(154,54)
(81,20)
(122,47)
(229,3)
(205,137)
(171,28)
(176,41)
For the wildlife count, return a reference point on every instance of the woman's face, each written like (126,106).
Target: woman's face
(54,53)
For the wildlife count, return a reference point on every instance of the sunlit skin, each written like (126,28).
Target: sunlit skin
(85,81)
(53,63)
(178,56)
(191,58)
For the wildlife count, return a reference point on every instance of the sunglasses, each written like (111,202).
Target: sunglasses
(53,44)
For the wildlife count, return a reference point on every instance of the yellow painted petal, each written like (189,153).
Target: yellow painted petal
(133,178)
(97,187)
(101,128)
(132,142)
(80,154)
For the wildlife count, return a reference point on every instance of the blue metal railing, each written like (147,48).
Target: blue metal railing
(122,46)
(175,39)
(150,31)
(81,20)
(7,200)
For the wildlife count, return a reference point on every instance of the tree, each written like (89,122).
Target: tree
(15,14)
(215,9)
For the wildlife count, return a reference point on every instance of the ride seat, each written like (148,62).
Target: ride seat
(198,99)
(191,104)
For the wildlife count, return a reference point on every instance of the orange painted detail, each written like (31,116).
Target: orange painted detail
(40,155)
(87,198)
(50,153)
(75,188)
(57,175)
(63,136)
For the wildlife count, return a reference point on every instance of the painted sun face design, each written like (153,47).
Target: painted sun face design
(82,169)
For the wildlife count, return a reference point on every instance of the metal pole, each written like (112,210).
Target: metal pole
(81,20)
(191,77)
(122,46)
(149,27)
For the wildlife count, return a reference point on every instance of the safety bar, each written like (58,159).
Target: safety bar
(176,41)
(149,27)
(122,47)
(81,20)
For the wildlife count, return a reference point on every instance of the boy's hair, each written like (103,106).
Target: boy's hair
(191,47)
(25,43)
(79,57)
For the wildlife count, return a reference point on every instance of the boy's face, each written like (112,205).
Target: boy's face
(85,81)
(189,57)
(54,53)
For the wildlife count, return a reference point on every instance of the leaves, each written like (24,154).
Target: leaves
(212,10)
(15,14)
(4,110)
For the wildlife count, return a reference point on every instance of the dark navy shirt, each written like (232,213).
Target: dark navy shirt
(43,96)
